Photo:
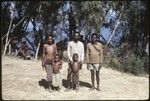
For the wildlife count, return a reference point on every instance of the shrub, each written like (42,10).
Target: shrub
(133,63)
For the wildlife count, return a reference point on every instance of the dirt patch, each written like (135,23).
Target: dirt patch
(25,80)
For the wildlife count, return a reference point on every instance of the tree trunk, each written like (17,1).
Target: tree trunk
(113,33)
(37,50)
(9,51)
(7,35)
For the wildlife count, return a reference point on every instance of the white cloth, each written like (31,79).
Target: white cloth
(74,47)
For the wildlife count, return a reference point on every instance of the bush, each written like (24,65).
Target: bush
(133,63)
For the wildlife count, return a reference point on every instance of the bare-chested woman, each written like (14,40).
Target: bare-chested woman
(49,50)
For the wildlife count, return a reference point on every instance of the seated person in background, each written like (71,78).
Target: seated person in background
(14,43)
(75,67)
(25,51)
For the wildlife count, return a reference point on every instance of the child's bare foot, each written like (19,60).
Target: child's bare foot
(68,89)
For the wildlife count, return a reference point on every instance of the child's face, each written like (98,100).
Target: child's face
(56,58)
(75,58)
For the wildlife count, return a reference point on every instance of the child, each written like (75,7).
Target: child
(49,50)
(75,67)
(57,65)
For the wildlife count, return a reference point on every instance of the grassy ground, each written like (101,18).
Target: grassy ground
(25,80)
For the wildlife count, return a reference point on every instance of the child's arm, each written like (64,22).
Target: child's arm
(80,65)
(60,65)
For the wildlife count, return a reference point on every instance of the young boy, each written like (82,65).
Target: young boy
(57,65)
(75,67)
(49,50)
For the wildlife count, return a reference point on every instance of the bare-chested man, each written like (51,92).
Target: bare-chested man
(49,50)
(75,67)
(25,51)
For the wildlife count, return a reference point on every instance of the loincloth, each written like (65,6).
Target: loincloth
(56,80)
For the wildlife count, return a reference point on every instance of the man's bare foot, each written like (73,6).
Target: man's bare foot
(77,90)
(98,89)
(50,90)
(92,88)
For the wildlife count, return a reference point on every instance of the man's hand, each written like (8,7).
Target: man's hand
(43,66)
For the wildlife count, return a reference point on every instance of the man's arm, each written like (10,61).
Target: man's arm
(87,54)
(43,56)
(55,49)
(82,52)
(101,53)
(68,51)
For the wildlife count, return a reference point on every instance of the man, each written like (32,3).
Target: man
(74,46)
(49,51)
(14,43)
(94,59)
(25,51)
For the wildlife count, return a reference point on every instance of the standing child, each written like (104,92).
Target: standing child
(57,65)
(49,50)
(75,67)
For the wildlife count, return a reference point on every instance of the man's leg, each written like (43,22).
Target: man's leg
(98,80)
(92,79)
(49,71)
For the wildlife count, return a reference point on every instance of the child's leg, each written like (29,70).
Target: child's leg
(69,77)
(77,82)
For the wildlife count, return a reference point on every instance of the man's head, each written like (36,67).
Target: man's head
(94,38)
(24,42)
(76,36)
(75,57)
(50,39)
(56,58)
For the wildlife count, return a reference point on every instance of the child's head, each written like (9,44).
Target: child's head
(56,58)
(75,57)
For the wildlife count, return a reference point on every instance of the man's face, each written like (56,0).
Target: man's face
(76,36)
(94,38)
(50,40)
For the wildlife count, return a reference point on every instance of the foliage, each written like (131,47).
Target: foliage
(131,64)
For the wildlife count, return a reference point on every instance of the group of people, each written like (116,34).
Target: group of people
(52,62)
